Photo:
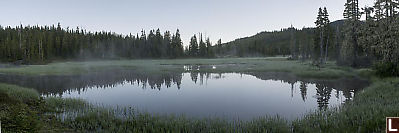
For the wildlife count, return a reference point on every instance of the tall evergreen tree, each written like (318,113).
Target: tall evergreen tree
(159,45)
(193,47)
(167,40)
(219,46)
(202,47)
(209,50)
(177,45)
(350,46)
(319,43)
(386,8)
(327,30)
(368,11)
(294,47)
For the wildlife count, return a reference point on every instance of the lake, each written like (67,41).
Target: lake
(237,96)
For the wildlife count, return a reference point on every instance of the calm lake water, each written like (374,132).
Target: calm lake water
(194,94)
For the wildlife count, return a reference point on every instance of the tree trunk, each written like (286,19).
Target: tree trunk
(338,47)
(326,54)
(355,46)
(321,46)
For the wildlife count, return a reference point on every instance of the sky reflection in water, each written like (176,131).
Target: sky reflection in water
(231,95)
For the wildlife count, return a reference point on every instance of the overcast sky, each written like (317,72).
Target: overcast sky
(225,19)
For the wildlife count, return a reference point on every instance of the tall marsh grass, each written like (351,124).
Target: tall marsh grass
(91,118)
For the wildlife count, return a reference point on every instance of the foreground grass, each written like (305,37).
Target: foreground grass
(366,113)
(22,110)
(275,64)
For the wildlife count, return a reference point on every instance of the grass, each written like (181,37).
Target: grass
(227,65)
(128,120)
(366,113)
(23,110)
(19,93)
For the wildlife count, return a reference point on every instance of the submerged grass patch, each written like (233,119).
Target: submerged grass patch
(58,104)
(128,120)
(18,93)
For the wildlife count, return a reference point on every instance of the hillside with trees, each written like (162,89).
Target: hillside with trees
(350,42)
(298,43)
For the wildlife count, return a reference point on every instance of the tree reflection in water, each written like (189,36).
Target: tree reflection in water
(57,85)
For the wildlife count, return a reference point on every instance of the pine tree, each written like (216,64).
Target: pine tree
(167,40)
(327,31)
(351,46)
(193,48)
(294,54)
(368,11)
(159,46)
(386,8)
(320,28)
(209,51)
(177,45)
(379,13)
(202,47)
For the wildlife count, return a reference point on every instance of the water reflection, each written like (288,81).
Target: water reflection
(304,89)
(196,92)
(59,84)
(324,88)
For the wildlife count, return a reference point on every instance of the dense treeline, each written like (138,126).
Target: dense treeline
(320,43)
(201,48)
(373,40)
(297,43)
(262,44)
(362,43)
(42,44)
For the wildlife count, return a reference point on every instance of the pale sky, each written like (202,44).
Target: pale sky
(225,19)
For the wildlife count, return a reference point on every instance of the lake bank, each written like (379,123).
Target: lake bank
(222,65)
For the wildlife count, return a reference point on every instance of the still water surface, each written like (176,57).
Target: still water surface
(194,94)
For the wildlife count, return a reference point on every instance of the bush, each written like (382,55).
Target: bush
(386,69)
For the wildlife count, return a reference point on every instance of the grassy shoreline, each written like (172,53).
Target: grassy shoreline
(366,113)
(223,65)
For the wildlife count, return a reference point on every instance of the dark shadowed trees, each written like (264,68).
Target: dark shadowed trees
(193,47)
(35,44)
